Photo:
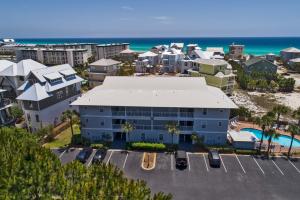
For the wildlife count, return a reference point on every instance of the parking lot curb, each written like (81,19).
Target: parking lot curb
(154,162)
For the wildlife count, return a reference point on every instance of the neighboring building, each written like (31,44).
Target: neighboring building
(171,60)
(13,75)
(271,57)
(90,47)
(146,62)
(190,48)
(47,93)
(217,52)
(259,65)
(101,68)
(5,104)
(159,49)
(127,55)
(149,103)
(48,56)
(12,48)
(236,51)
(289,53)
(110,50)
(178,46)
(294,64)
(198,53)
(217,73)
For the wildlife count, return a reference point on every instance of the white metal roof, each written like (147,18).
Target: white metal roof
(52,75)
(185,92)
(105,62)
(34,93)
(67,72)
(291,50)
(211,61)
(243,136)
(21,68)
(148,54)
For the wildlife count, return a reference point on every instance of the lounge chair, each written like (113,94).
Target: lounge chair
(286,128)
(281,127)
(275,126)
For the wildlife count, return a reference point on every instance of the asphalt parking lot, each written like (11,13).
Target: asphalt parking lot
(239,177)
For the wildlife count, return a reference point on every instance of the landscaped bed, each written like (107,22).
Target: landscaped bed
(148,161)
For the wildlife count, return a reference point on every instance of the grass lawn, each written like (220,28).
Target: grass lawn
(64,138)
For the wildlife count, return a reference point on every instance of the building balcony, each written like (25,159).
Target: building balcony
(186,114)
(186,128)
(165,114)
(118,113)
(138,113)
(4,102)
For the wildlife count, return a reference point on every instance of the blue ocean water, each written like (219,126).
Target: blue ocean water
(253,45)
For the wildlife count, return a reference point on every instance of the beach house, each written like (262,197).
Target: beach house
(47,93)
(99,69)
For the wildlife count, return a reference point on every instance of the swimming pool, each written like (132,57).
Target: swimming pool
(282,140)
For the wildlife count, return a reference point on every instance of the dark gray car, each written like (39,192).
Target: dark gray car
(214,158)
(99,155)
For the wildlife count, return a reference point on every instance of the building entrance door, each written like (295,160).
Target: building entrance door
(185,138)
(119,136)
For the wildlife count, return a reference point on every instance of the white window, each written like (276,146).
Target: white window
(59,94)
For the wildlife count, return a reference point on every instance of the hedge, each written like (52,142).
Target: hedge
(147,146)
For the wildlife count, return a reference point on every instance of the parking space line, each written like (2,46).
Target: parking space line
(258,165)
(62,153)
(277,167)
(125,160)
(92,156)
(240,163)
(205,163)
(294,166)
(109,157)
(223,164)
(188,159)
(172,167)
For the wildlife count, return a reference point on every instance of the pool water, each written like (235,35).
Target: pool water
(283,140)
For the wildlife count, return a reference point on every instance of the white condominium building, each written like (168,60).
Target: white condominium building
(149,103)
(110,50)
(49,56)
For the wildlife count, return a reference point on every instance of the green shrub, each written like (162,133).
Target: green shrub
(245,151)
(147,146)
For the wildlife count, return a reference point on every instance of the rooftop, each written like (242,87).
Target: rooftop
(147,54)
(211,61)
(180,92)
(291,50)
(21,68)
(105,62)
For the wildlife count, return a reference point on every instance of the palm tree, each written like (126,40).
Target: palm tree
(70,116)
(271,133)
(280,110)
(296,115)
(294,130)
(173,129)
(264,123)
(128,127)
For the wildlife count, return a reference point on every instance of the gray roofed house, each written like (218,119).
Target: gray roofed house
(99,69)
(46,93)
(289,53)
(259,65)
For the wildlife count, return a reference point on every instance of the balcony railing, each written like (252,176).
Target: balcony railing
(118,113)
(4,102)
(186,128)
(165,114)
(138,113)
(186,114)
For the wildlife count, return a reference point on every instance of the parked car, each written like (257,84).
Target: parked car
(181,159)
(84,154)
(99,155)
(214,158)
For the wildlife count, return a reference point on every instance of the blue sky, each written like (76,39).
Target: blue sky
(148,18)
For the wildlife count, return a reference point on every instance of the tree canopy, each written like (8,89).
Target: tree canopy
(29,171)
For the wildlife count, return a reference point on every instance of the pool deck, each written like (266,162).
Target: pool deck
(278,148)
